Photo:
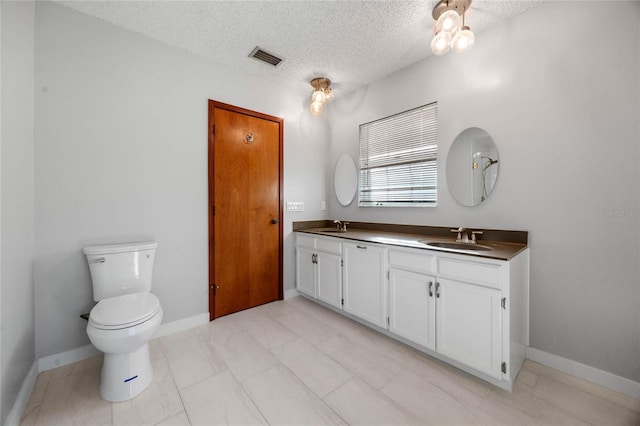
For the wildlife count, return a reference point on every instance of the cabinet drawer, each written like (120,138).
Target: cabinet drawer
(411,260)
(329,245)
(486,274)
(305,240)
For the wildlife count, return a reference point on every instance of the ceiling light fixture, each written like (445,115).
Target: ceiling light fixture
(450,29)
(322,93)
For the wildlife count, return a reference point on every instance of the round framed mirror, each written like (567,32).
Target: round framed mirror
(345,180)
(472,166)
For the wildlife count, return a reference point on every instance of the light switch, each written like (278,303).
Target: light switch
(296,206)
(323,205)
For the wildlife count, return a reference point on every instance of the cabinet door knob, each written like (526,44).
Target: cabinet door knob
(437,289)
(430,286)
(362,247)
(274,221)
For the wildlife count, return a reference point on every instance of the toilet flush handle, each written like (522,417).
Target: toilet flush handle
(98,260)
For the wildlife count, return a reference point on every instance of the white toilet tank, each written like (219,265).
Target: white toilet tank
(118,269)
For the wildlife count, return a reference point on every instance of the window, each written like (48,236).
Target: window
(398,159)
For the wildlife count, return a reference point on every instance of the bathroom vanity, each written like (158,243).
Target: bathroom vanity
(468,306)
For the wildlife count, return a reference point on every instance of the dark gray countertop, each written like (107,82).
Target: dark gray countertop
(500,250)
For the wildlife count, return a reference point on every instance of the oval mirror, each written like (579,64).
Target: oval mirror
(345,180)
(472,166)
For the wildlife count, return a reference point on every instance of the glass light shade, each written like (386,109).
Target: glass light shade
(441,43)
(318,96)
(316,108)
(463,40)
(328,94)
(449,21)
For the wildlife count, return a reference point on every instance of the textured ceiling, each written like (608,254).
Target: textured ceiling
(351,42)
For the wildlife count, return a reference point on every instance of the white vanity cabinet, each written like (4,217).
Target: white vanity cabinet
(472,311)
(365,287)
(319,268)
(470,314)
(306,270)
(329,267)
(469,311)
(412,309)
(469,325)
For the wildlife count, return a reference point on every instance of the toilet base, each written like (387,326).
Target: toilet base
(125,376)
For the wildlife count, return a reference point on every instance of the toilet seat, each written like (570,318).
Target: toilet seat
(129,310)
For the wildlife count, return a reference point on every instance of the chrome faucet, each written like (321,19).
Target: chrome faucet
(474,240)
(341,226)
(463,235)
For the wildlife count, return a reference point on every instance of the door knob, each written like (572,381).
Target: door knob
(274,221)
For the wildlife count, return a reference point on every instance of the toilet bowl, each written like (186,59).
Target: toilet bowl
(121,327)
(125,317)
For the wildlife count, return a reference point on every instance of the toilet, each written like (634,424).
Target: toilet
(125,317)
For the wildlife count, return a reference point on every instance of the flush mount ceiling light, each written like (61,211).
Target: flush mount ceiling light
(322,93)
(450,30)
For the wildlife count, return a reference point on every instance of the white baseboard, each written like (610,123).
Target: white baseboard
(181,325)
(586,372)
(65,358)
(13,419)
(291,293)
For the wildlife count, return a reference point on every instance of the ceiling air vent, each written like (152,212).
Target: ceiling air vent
(265,57)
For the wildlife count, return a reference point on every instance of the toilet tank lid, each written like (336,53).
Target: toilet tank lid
(120,247)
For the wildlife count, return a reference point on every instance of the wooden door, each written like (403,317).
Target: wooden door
(245,209)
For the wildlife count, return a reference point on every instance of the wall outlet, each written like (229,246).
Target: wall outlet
(296,206)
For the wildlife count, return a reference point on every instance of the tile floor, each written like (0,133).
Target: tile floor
(295,363)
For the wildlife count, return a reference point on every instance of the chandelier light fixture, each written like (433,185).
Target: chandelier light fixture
(450,29)
(322,94)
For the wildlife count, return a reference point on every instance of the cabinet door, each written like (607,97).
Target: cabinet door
(306,271)
(412,311)
(329,279)
(364,282)
(469,325)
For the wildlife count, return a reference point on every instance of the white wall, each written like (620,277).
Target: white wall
(557,88)
(121,154)
(16,199)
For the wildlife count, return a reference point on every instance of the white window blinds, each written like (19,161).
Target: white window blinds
(398,159)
